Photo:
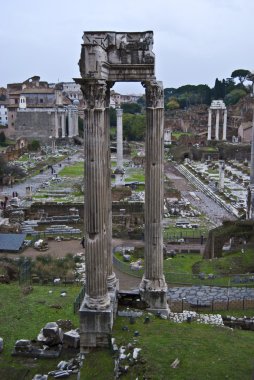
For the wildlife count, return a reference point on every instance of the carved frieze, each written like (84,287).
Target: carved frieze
(103,52)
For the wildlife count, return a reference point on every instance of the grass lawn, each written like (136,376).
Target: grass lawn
(76,170)
(135,174)
(204,351)
(23,316)
(230,263)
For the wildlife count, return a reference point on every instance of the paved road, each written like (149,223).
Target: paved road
(37,180)
(216,213)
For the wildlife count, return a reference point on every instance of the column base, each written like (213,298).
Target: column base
(154,293)
(112,282)
(95,327)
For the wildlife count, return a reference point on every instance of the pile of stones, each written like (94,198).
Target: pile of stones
(125,356)
(49,342)
(64,369)
(188,316)
(239,323)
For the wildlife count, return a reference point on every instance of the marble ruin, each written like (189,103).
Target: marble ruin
(218,106)
(119,172)
(106,58)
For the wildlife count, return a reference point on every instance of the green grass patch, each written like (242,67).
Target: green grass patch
(76,170)
(205,352)
(135,174)
(23,316)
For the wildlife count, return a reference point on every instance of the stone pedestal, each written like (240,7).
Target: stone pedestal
(95,327)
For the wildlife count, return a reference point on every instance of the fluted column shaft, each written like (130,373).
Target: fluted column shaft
(217,125)
(70,123)
(154,194)
(119,131)
(153,279)
(209,131)
(96,197)
(63,125)
(111,277)
(55,131)
(224,134)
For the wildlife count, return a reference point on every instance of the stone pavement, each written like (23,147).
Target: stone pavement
(208,294)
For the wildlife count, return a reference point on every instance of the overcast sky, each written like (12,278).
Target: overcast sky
(195,41)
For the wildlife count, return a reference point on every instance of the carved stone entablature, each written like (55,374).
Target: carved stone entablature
(104,54)
(154,94)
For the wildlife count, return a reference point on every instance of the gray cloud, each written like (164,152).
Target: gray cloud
(195,41)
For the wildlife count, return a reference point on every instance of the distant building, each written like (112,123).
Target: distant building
(245,132)
(38,111)
(3,113)
(117,99)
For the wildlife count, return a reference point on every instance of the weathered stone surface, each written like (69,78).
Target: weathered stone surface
(40,377)
(51,334)
(71,339)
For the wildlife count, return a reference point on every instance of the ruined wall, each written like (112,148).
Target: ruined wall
(35,125)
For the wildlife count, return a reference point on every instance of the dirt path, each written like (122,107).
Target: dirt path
(62,248)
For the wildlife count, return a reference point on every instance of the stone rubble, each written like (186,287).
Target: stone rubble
(187,316)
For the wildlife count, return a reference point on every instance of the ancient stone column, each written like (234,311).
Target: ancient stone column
(112,282)
(119,127)
(224,134)
(221,175)
(55,131)
(63,125)
(96,316)
(76,132)
(119,172)
(153,287)
(217,125)
(70,122)
(209,131)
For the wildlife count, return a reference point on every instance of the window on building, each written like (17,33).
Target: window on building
(41,100)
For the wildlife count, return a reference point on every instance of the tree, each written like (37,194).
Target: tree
(234,96)
(219,89)
(133,127)
(34,145)
(142,101)
(173,104)
(112,117)
(132,108)
(2,138)
(241,74)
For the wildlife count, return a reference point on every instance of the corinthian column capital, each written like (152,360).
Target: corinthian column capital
(154,94)
(95,93)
